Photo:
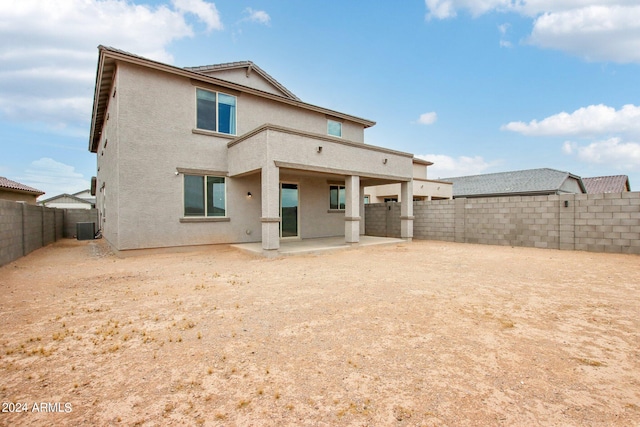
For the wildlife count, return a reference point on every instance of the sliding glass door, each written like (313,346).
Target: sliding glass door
(288,210)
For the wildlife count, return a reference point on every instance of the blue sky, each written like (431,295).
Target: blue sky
(474,86)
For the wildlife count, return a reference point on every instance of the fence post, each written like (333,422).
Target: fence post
(24,242)
(42,222)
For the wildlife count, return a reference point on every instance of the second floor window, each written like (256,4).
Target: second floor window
(216,111)
(334,128)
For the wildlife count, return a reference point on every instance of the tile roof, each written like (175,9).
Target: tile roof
(12,185)
(531,181)
(607,184)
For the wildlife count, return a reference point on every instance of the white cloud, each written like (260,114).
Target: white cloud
(53,178)
(613,151)
(259,16)
(428,118)
(597,30)
(504,29)
(587,121)
(446,166)
(596,33)
(48,50)
(443,9)
(205,11)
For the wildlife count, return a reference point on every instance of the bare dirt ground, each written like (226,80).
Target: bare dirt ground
(422,333)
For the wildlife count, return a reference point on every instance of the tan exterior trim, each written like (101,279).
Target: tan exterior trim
(263,219)
(422,162)
(352,218)
(190,171)
(212,133)
(335,171)
(437,181)
(206,219)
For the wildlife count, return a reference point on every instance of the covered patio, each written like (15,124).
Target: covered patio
(282,155)
(315,246)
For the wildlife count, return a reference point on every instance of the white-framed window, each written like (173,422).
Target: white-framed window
(337,197)
(334,128)
(367,199)
(215,111)
(204,196)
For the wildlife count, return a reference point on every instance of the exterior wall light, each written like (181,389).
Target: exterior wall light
(566,203)
(384,162)
(319,149)
(249,195)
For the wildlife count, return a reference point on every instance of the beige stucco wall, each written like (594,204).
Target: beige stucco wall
(239,75)
(288,149)
(151,136)
(108,170)
(424,188)
(18,197)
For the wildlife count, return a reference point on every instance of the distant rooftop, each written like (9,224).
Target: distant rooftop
(524,182)
(607,184)
(13,185)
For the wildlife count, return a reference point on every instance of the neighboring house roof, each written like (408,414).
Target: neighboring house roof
(70,197)
(523,182)
(108,57)
(250,67)
(607,184)
(8,184)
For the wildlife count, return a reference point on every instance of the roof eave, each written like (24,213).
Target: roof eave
(116,55)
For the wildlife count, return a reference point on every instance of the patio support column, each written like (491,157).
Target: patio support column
(362,209)
(352,209)
(270,207)
(406,210)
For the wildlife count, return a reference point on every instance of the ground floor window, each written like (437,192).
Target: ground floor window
(337,197)
(204,195)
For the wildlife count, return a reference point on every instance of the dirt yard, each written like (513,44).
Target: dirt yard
(422,333)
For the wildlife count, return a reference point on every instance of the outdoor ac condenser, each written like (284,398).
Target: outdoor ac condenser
(85,230)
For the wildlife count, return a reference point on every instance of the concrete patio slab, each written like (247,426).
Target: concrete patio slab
(311,246)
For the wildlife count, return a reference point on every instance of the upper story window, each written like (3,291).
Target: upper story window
(334,128)
(216,111)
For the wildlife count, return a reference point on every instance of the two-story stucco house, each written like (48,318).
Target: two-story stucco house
(226,154)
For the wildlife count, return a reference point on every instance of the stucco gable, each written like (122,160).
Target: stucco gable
(247,74)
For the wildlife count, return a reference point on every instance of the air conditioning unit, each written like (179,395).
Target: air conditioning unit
(85,230)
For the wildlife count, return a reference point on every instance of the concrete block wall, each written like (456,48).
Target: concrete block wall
(607,222)
(32,228)
(74,216)
(10,231)
(382,219)
(436,219)
(590,222)
(25,228)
